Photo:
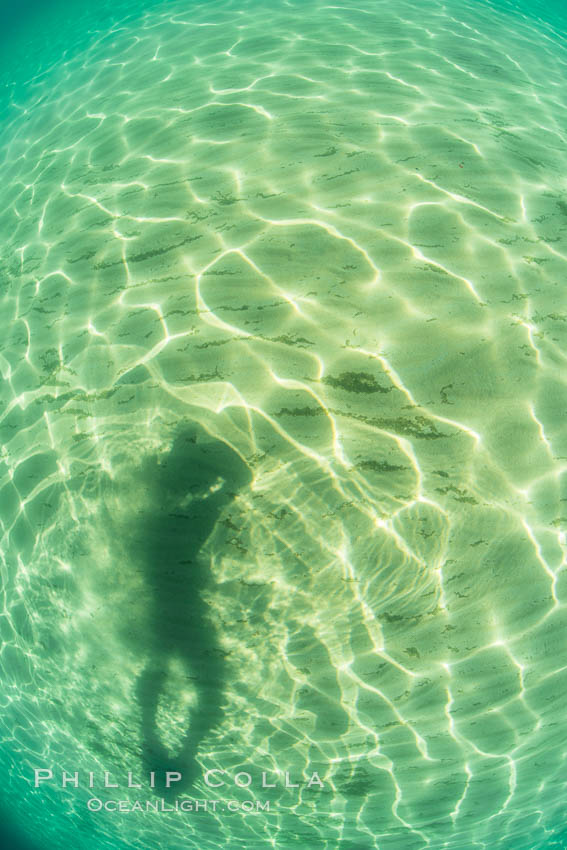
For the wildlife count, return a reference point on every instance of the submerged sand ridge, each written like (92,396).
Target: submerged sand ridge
(317,252)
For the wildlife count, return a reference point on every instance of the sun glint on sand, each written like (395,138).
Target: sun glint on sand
(318,252)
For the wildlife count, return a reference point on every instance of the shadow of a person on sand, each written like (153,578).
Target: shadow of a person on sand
(188,489)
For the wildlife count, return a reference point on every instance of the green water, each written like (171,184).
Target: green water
(282,422)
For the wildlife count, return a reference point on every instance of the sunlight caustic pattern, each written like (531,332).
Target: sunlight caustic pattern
(335,237)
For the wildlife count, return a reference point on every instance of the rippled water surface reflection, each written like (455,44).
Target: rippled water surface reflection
(283,453)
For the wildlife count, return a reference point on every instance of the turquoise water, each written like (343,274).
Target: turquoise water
(282,441)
